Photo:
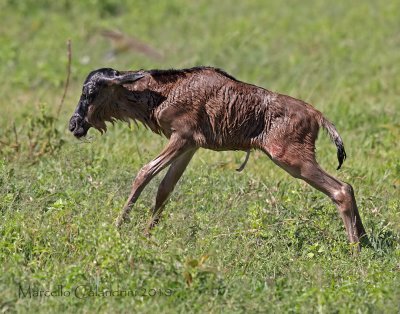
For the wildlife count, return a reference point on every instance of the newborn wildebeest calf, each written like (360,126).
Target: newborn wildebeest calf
(206,107)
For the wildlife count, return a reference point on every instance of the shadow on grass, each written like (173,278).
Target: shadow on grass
(381,240)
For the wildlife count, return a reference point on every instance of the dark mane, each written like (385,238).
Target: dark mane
(173,73)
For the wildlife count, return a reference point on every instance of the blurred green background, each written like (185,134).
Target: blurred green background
(258,241)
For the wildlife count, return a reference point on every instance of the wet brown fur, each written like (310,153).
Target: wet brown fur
(214,110)
(207,108)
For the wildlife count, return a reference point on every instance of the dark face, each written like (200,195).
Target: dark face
(96,81)
(79,124)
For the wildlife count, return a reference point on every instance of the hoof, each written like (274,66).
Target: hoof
(150,225)
(355,249)
(147,232)
(120,220)
(118,223)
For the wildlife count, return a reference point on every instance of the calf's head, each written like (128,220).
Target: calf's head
(98,92)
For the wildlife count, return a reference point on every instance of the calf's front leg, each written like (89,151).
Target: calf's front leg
(175,148)
(167,185)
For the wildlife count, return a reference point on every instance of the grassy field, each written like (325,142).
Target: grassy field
(257,241)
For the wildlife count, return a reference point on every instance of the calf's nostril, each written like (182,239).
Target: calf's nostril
(74,124)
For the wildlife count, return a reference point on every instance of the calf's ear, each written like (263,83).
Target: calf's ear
(122,79)
(129,78)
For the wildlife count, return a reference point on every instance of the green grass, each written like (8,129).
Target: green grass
(258,241)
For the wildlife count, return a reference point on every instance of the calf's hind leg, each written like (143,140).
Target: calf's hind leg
(340,193)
